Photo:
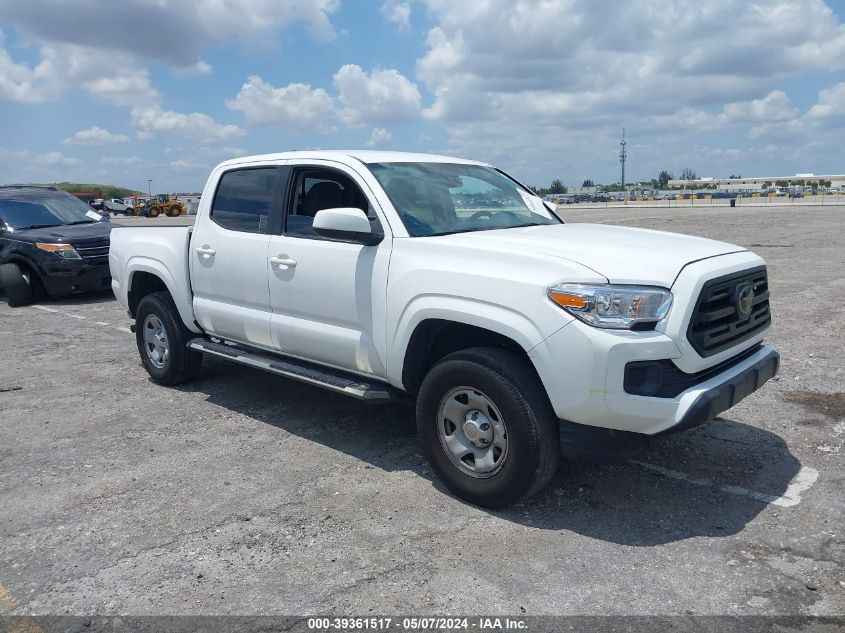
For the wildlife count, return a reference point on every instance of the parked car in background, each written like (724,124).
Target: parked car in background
(51,243)
(446,283)
(117,205)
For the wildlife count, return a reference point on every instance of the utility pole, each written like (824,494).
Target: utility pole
(622,156)
(150,187)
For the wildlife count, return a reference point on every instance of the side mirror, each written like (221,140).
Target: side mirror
(346,224)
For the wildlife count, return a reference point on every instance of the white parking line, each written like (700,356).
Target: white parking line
(80,317)
(802,482)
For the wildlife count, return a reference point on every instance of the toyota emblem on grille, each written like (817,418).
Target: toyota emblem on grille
(744,300)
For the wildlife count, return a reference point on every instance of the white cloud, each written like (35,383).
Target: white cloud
(830,107)
(151,120)
(22,165)
(397,12)
(383,96)
(174,32)
(53,159)
(128,89)
(95,136)
(123,161)
(17,80)
(117,78)
(577,71)
(378,97)
(296,105)
(379,136)
(111,65)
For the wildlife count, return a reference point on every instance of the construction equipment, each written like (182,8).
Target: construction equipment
(163,204)
(159,204)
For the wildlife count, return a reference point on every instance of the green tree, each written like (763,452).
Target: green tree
(587,183)
(663,179)
(688,174)
(557,187)
(109,191)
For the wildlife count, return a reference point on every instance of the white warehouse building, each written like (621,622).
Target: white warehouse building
(756,183)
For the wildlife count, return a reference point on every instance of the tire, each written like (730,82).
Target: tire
(17,284)
(174,211)
(509,397)
(175,363)
(154,212)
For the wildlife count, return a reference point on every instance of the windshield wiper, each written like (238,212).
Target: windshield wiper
(36,226)
(452,232)
(82,222)
(487,228)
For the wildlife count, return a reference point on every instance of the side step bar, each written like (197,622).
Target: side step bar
(311,373)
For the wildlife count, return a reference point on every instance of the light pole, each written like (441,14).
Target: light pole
(150,187)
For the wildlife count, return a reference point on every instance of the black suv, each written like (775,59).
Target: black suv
(51,243)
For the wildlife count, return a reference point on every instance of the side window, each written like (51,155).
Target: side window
(318,189)
(242,201)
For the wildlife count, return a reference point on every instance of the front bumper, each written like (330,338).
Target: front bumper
(60,280)
(583,371)
(721,397)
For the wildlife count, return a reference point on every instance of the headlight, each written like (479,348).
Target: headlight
(614,307)
(65,251)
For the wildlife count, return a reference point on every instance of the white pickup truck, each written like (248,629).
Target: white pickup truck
(445,282)
(118,205)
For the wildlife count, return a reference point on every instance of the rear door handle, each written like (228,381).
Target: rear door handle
(206,251)
(283,261)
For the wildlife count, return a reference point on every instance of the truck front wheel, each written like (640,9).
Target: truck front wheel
(162,341)
(487,427)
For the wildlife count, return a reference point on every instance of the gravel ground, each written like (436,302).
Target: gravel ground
(244,493)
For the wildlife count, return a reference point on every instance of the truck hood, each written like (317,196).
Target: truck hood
(624,255)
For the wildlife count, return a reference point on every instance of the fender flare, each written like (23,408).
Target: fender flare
(184,302)
(489,316)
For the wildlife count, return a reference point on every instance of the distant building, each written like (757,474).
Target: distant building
(756,183)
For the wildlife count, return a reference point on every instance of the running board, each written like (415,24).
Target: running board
(306,372)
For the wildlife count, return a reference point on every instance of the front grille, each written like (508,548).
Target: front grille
(717,322)
(95,249)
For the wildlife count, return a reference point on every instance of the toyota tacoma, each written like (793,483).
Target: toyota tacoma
(447,283)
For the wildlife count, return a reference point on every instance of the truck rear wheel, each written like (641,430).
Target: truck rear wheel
(174,211)
(17,284)
(162,341)
(487,427)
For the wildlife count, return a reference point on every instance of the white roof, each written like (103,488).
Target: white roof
(365,156)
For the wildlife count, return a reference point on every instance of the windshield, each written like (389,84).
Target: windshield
(441,198)
(43,210)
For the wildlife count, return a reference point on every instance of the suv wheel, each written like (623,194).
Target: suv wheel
(162,341)
(487,427)
(17,284)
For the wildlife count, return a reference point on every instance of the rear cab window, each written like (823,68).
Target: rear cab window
(243,200)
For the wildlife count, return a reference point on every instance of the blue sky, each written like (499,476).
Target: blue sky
(164,89)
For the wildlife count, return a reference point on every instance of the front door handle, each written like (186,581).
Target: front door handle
(280,260)
(206,251)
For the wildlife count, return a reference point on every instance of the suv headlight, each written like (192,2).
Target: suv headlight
(613,307)
(65,251)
